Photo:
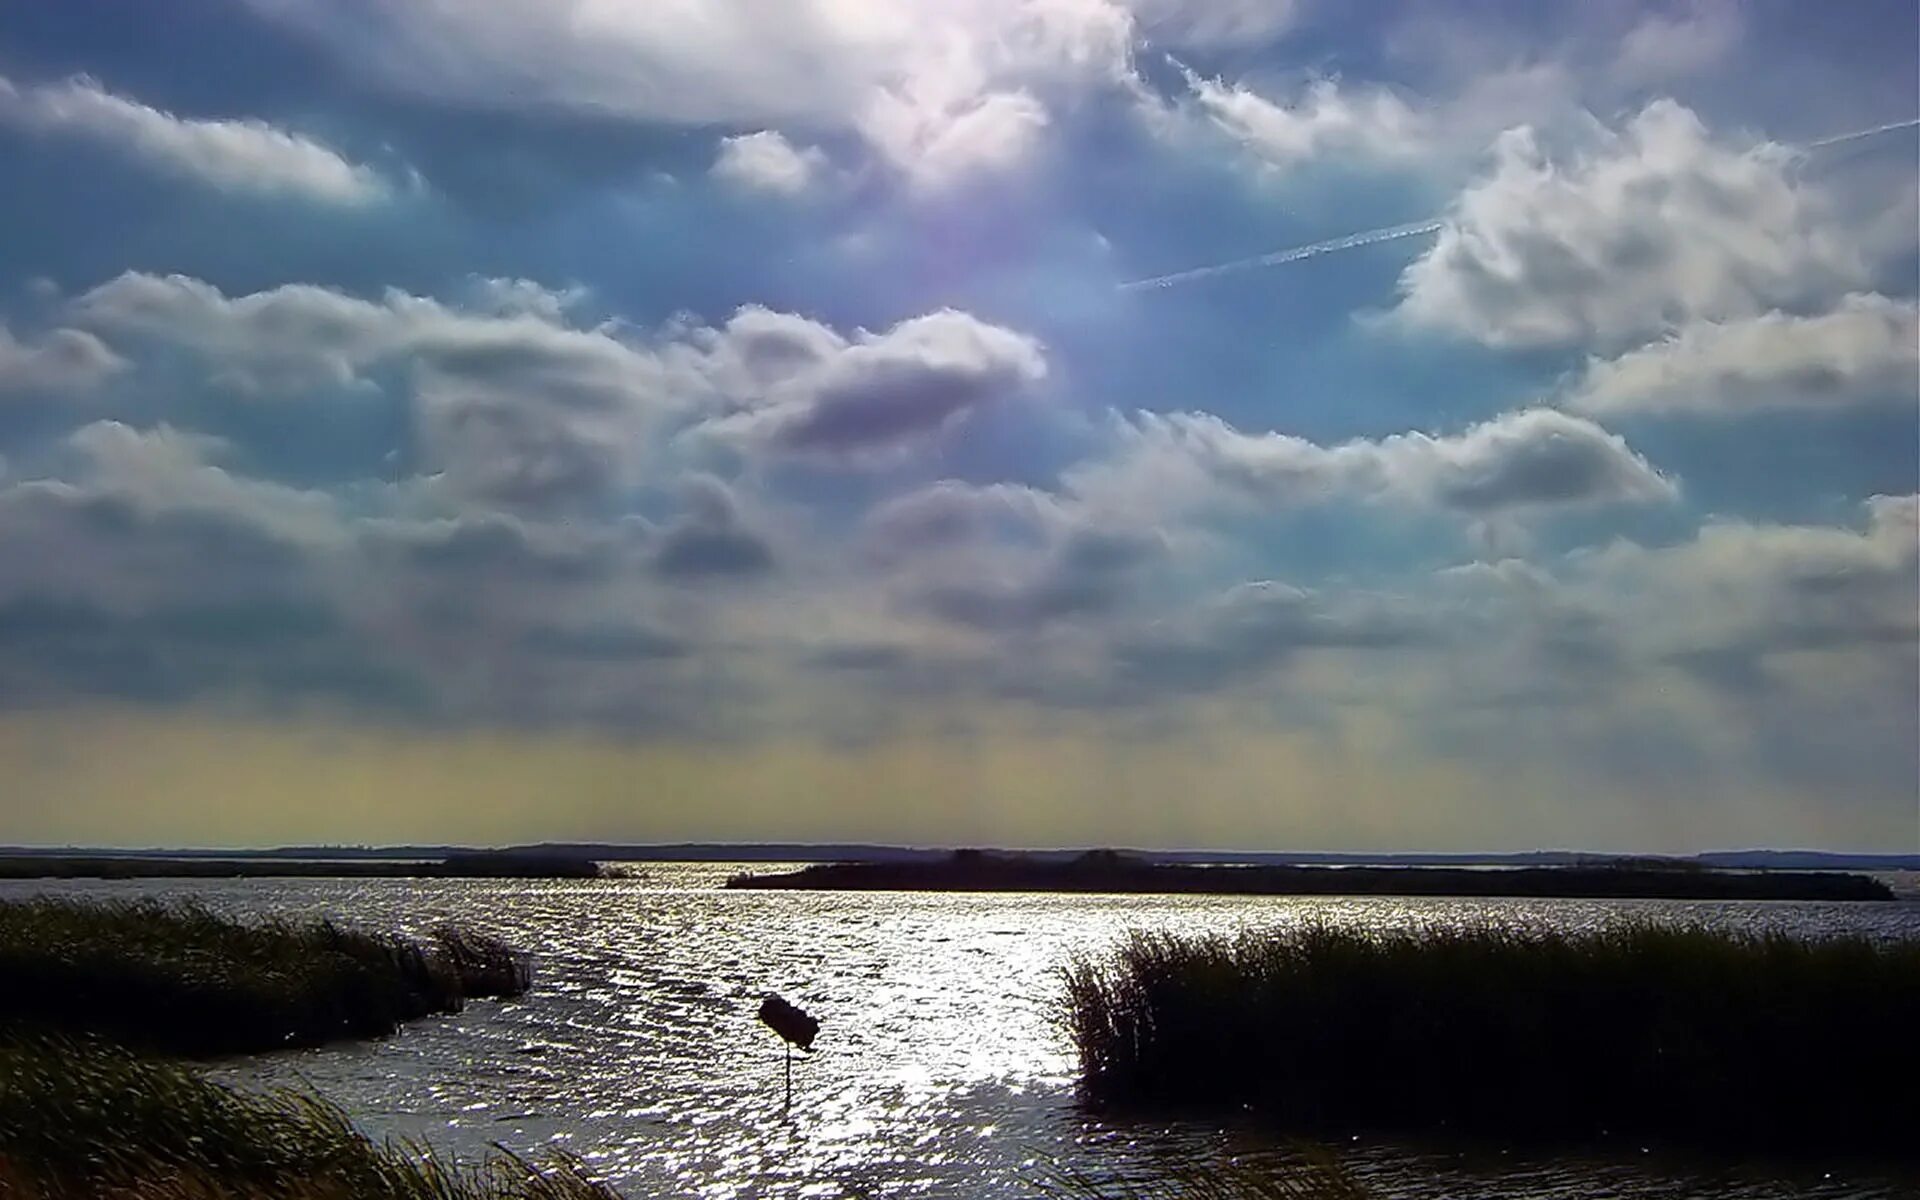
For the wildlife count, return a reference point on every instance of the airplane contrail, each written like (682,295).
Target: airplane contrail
(1877,130)
(1389,233)
(1293,254)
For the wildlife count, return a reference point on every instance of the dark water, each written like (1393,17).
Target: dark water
(938,1071)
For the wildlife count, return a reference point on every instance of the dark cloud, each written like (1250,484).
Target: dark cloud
(1089,572)
(875,395)
(711,540)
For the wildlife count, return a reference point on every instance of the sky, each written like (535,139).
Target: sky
(512,420)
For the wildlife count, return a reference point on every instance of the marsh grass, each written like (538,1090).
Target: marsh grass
(1667,1034)
(82,1118)
(178,979)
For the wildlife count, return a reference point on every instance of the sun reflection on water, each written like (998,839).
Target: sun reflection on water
(938,1070)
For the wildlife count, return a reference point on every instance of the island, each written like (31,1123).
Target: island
(1112,871)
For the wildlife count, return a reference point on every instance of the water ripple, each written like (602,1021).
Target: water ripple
(939,1071)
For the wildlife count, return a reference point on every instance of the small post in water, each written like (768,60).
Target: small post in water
(795,1028)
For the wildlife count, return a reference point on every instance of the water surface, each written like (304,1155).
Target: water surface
(939,1072)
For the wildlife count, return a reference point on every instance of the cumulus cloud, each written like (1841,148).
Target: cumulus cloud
(936,144)
(62,361)
(149,519)
(1649,228)
(515,407)
(767,162)
(801,389)
(1530,460)
(1867,350)
(711,540)
(1323,120)
(950,515)
(242,155)
(1751,590)
(518,406)
(937,90)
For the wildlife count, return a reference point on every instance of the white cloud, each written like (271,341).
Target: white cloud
(934,145)
(64,360)
(1865,351)
(1652,227)
(799,388)
(1323,120)
(1742,588)
(243,155)
(768,162)
(516,405)
(959,81)
(1535,459)
(1662,47)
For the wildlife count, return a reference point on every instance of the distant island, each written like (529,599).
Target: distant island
(463,864)
(1110,871)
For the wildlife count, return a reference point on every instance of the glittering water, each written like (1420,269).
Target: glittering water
(938,1072)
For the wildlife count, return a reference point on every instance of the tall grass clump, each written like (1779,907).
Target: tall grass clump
(83,1120)
(1668,1034)
(178,979)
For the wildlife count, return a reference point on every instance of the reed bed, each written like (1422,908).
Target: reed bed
(179,979)
(84,1120)
(1652,1033)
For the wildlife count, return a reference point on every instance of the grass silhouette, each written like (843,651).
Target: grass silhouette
(1674,1035)
(179,979)
(81,1119)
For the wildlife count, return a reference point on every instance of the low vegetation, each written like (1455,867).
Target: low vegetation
(1660,1034)
(179,979)
(83,1120)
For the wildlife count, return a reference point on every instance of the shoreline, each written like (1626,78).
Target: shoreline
(1106,871)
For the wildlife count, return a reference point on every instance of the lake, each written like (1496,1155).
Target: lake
(938,1071)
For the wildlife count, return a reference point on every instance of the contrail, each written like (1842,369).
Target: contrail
(1294,254)
(1889,127)
(1411,229)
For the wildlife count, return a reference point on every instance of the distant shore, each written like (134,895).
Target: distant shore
(467,865)
(1106,871)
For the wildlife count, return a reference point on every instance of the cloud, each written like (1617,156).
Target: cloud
(1649,228)
(240,155)
(767,162)
(518,406)
(1087,572)
(1531,460)
(712,540)
(949,515)
(1254,627)
(1324,121)
(1662,47)
(935,145)
(1214,24)
(937,91)
(1754,590)
(147,520)
(801,389)
(1867,350)
(62,361)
